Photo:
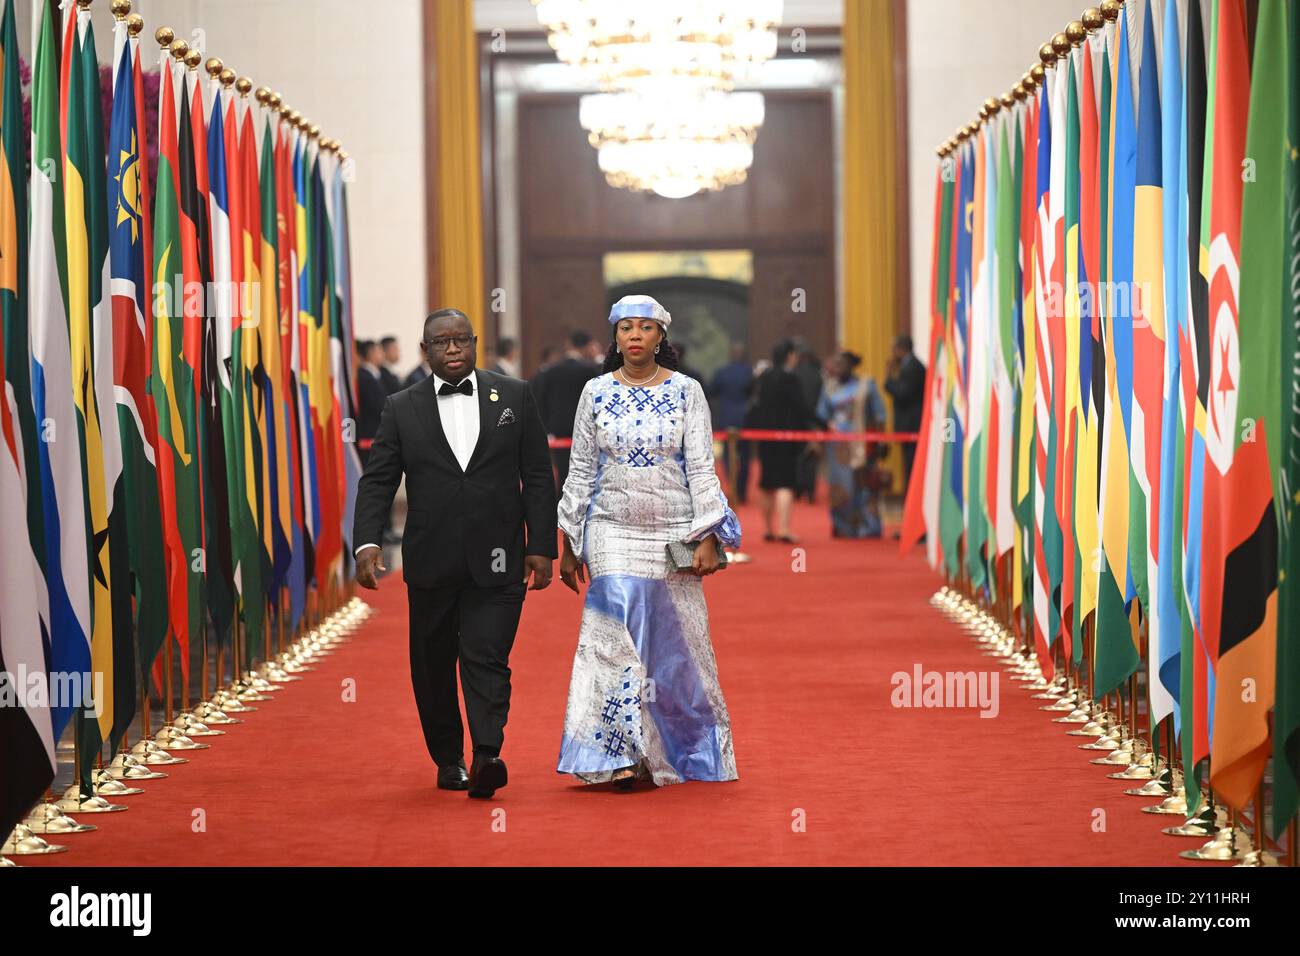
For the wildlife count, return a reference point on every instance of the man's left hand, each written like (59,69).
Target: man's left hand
(539,566)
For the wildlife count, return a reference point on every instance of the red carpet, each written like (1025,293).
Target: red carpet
(805,659)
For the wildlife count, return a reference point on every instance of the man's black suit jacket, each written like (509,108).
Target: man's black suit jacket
(559,389)
(474,518)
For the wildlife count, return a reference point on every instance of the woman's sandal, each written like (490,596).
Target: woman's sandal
(625,779)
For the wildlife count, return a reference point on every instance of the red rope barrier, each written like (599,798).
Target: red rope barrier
(764,434)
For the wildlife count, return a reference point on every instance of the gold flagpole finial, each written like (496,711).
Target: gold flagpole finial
(214,66)
(295,118)
(227,77)
(1038,73)
(1092,19)
(135,24)
(262,95)
(120,8)
(1076,33)
(178,50)
(275,101)
(164,36)
(314,131)
(193,59)
(1110,10)
(243,85)
(1061,46)
(84,4)
(1047,55)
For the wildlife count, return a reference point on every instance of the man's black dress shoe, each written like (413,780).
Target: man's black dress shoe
(487,775)
(452,776)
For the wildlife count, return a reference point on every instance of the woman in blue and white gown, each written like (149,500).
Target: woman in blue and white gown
(644,699)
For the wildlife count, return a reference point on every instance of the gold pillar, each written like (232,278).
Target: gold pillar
(872,239)
(455,206)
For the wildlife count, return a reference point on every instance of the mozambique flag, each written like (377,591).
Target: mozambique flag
(172,383)
(1286,712)
(27,763)
(1239,591)
(127,181)
(84,232)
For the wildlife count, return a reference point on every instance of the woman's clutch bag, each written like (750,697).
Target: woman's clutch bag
(681,555)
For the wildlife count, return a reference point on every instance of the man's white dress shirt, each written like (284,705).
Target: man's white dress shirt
(459,414)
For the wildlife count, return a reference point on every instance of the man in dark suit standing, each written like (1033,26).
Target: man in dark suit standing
(370,397)
(905,383)
(558,389)
(390,353)
(481,521)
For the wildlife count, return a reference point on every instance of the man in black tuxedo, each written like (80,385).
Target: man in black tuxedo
(473,448)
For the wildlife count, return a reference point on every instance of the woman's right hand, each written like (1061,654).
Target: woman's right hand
(572,570)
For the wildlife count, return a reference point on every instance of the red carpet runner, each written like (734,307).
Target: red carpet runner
(805,659)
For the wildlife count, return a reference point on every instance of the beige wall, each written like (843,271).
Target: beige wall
(360,78)
(960,52)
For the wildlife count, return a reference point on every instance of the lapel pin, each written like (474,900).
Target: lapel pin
(492,396)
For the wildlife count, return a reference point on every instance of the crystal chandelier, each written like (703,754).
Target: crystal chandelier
(634,44)
(673,146)
(667,122)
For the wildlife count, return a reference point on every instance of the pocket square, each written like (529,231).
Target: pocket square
(507,418)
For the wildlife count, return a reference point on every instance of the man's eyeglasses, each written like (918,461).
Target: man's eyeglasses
(441,343)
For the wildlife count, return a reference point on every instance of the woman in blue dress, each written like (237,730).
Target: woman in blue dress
(644,700)
(850,404)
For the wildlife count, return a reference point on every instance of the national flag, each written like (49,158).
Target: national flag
(951,500)
(172,383)
(1247,271)
(1002,350)
(921,507)
(1195,697)
(1286,710)
(344,336)
(1044,251)
(27,761)
(127,180)
(287,268)
(1165,646)
(1149,354)
(977,362)
(1116,652)
(1091,367)
(90,325)
(1068,378)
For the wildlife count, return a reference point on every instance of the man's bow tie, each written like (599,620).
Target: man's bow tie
(466,387)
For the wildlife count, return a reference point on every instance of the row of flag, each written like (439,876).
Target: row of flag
(1112,430)
(177,379)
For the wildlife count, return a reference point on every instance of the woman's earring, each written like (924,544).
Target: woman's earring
(617,350)
(656,350)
